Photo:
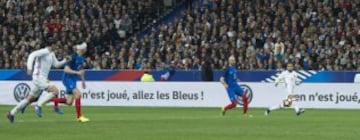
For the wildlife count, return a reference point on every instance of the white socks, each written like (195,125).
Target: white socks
(45,99)
(19,106)
(279,106)
(296,108)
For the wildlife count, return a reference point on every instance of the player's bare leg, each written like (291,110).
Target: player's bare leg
(52,92)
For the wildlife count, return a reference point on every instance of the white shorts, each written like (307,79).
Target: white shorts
(39,84)
(290,89)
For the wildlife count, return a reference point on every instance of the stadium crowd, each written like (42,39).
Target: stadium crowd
(261,34)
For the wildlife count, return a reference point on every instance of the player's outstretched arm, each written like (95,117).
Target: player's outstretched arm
(81,73)
(222,80)
(279,79)
(57,63)
(68,70)
(82,77)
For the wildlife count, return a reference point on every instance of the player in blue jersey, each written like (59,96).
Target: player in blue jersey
(72,71)
(229,80)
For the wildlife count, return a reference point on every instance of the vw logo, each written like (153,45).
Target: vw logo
(247,90)
(21,91)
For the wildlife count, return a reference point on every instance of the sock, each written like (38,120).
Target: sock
(78,107)
(230,106)
(296,108)
(57,100)
(62,100)
(19,106)
(245,101)
(45,99)
(279,106)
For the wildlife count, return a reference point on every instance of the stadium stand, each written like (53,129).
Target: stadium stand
(261,34)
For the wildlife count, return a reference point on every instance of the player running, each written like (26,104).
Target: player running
(229,80)
(72,70)
(291,80)
(44,59)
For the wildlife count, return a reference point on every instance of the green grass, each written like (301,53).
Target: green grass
(146,123)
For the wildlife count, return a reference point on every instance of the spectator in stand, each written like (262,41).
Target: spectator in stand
(262,35)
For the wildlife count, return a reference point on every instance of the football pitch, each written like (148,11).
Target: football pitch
(150,123)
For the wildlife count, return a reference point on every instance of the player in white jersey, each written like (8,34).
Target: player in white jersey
(44,60)
(290,78)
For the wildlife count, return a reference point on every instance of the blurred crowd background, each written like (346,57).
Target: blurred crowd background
(261,34)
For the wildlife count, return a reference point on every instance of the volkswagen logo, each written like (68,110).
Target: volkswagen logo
(21,91)
(249,93)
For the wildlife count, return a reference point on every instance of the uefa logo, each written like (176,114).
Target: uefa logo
(21,91)
(249,93)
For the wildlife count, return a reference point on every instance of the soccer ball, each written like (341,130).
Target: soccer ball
(287,102)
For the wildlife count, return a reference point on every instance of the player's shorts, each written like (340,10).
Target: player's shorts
(38,85)
(290,88)
(234,90)
(70,85)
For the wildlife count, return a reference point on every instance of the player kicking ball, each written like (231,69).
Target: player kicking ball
(229,80)
(44,59)
(72,70)
(290,79)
